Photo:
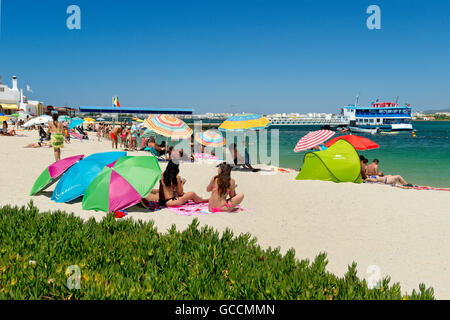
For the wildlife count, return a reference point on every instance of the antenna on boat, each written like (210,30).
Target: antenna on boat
(396,100)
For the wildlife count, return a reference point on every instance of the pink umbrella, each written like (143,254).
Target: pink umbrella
(53,172)
(313,139)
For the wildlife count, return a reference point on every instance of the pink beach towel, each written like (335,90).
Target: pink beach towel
(192,208)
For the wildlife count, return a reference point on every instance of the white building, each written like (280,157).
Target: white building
(12,100)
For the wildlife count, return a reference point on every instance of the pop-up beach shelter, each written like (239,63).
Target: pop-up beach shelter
(339,163)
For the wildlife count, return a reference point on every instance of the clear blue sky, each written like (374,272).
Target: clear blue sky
(254,55)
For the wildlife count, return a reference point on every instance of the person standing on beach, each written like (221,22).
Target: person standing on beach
(56,130)
(133,132)
(115,136)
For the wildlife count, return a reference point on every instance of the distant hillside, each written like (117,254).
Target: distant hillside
(437,110)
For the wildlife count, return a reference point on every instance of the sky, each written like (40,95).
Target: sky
(258,56)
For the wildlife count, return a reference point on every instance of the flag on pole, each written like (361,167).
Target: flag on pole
(116,101)
(29,88)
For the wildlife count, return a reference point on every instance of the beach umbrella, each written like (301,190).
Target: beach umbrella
(75,122)
(168,126)
(358,142)
(89,120)
(53,172)
(38,120)
(100,119)
(1,114)
(245,122)
(77,179)
(210,138)
(312,139)
(15,115)
(64,118)
(138,120)
(3,118)
(122,184)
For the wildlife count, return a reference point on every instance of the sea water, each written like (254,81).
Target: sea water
(422,160)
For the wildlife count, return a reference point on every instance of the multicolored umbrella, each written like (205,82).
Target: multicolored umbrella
(358,142)
(313,139)
(210,138)
(122,184)
(53,172)
(244,122)
(75,122)
(168,126)
(64,118)
(77,179)
(38,120)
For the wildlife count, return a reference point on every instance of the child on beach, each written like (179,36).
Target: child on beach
(223,188)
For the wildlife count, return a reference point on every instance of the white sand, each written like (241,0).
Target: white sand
(404,232)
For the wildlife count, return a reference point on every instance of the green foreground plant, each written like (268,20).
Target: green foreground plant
(132,260)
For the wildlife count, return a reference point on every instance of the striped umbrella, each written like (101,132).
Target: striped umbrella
(210,138)
(244,122)
(168,126)
(313,139)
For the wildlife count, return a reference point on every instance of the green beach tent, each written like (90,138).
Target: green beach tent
(339,163)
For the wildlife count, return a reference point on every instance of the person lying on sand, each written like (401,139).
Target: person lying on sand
(171,191)
(389,179)
(38,145)
(223,188)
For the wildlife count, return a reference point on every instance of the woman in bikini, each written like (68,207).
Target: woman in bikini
(223,188)
(56,130)
(171,188)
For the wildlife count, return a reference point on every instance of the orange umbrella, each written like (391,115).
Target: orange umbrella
(358,142)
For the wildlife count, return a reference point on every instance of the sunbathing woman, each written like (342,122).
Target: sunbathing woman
(223,186)
(389,179)
(171,188)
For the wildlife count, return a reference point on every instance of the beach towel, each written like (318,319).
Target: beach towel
(192,208)
(76,135)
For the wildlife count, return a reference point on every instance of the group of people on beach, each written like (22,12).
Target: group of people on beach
(371,173)
(171,190)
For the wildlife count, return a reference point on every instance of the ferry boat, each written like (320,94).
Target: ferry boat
(385,116)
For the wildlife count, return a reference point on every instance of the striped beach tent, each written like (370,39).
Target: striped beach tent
(251,121)
(313,139)
(168,126)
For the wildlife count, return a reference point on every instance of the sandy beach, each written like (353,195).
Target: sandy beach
(403,232)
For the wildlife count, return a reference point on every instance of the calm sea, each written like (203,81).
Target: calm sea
(422,160)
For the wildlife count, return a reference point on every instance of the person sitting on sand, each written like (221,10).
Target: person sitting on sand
(223,188)
(239,160)
(372,169)
(55,128)
(364,163)
(171,191)
(389,179)
(154,148)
